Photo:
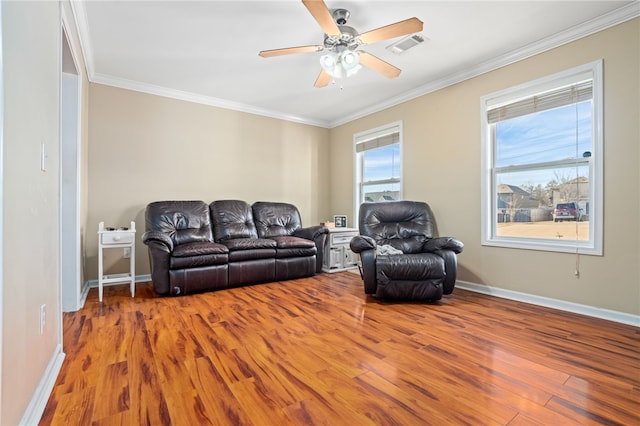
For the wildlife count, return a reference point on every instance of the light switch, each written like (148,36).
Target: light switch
(43,157)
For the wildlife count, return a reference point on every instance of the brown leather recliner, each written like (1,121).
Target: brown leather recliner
(402,257)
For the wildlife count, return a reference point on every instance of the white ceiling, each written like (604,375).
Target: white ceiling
(207,51)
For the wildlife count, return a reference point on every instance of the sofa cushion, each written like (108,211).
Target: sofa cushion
(200,248)
(183,221)
(241,249)
(249,244)
(294,247)
(286,242)
(232,219)
(274,219)
(198,254)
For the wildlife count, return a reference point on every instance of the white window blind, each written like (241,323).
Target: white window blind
(541,102)
(378,142)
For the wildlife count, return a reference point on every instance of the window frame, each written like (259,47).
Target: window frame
(358,167)
(489,209)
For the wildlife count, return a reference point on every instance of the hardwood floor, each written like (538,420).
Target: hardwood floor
(316,351)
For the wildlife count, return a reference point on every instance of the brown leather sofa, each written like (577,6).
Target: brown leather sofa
(402,256)
(195,247)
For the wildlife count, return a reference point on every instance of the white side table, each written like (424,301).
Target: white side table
(117,238)
(337,254)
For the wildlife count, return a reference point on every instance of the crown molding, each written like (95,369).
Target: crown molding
(615,17)
(618,16)
(201,99)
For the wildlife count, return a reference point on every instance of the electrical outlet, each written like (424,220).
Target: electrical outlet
(127,252)
(43,317)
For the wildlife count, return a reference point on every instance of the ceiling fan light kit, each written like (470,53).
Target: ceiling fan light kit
(341,42)
(341,65)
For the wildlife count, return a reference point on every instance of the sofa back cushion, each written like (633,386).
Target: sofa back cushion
(276,219)
(232,219)
(404,225)
(183,221)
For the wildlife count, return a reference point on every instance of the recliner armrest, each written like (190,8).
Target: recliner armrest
(443,243)
(161,237)
(446,248)
(366,248)
(361,243)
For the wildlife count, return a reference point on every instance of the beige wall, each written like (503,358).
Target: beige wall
(147,148)
(441,155)
(31,61)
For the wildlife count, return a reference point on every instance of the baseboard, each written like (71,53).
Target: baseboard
(592,311)
(139,279)
(83,295)
(38,403)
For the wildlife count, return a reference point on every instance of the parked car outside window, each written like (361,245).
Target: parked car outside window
(567,211)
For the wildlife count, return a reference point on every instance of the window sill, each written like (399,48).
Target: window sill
(565,246)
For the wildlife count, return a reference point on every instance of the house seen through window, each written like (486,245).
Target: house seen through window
(542,163)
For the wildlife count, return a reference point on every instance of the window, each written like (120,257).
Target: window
(542,163)
(378,165)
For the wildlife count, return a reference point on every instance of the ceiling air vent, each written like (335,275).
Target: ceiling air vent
(406,43)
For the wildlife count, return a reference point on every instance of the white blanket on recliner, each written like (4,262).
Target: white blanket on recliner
(387,249)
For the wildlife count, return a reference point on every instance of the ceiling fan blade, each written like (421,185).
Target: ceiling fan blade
(290,50)
(408,26)
(379,65)
(323,79)
(322,15)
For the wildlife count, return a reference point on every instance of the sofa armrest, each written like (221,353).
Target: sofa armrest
(158,237)
(443,243)
(311,232)
(159,260)
(318,234)
(160,247)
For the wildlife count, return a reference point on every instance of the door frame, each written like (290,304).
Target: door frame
(1,202)
(72,293)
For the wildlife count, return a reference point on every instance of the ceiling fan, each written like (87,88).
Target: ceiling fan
(342,42)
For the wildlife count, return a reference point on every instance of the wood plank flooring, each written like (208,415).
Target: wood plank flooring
(317,351)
